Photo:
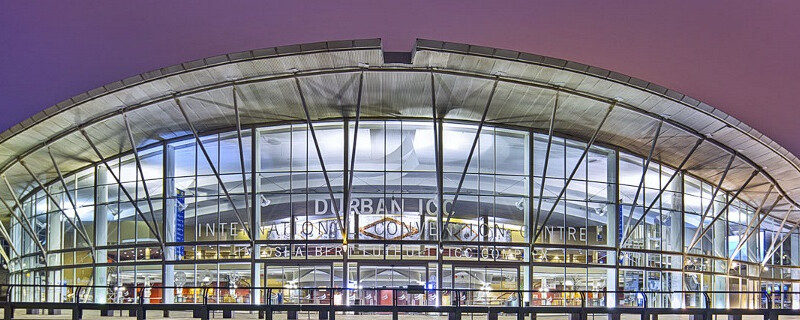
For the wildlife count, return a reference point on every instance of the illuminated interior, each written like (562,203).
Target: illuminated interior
(274,222)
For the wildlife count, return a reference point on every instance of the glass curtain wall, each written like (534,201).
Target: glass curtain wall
(359,207)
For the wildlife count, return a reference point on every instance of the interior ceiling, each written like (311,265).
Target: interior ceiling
(527,87)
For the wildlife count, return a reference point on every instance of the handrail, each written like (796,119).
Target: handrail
(395,288)
(459,296)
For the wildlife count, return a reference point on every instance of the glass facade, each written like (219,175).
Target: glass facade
(361,208)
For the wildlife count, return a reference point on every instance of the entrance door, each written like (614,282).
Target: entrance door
(297,283)
(376,283)
(495,285)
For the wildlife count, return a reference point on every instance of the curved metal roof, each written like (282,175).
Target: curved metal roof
(463,77)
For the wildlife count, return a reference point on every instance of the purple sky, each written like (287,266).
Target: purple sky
(738,56)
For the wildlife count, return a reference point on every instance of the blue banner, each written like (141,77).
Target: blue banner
(179,223)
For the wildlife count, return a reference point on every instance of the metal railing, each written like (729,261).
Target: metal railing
(203,300)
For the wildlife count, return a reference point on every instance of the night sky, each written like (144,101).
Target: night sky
(738,56)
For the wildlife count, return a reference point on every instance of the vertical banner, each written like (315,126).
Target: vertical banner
(620,225)
(179,220)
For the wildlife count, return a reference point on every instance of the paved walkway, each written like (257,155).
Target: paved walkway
(184,315)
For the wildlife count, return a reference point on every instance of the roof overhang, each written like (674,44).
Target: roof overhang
(393,88)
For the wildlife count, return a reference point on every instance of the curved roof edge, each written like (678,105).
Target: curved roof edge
(676,96)
(132,81)
(421,45)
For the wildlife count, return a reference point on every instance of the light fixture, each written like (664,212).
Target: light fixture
(601,211)
(264,201)
(520,204)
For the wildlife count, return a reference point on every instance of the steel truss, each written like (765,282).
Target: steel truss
(574,171)
(734,197)
(310,125)
(22,220)
(469,156)
(660,192)
(214,170)
(78,230)
(133,202)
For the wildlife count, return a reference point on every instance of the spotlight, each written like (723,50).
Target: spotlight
(264,201)
(601,211)
(520,204)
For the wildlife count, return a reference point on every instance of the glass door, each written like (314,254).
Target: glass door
(493,285)
(299,284)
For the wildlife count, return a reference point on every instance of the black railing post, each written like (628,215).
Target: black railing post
(77,313)
(768,313)
(395,314)
(583,314)
(266,313)
(644,314)
(707,310)
(204,312)
(520,311)
(332,309)
(141,312)
(8,308)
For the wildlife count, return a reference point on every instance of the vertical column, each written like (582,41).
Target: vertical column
(795,259)
(54,234)
(613,232)
(679,299)
(170,210)
(101,234)
(345,208)
(256,267)
(529,221)
(719,244)
(676,244)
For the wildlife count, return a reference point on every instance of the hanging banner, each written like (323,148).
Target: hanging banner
(179,223)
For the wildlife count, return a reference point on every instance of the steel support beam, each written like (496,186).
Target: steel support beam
(471,151)
(140,172)
(69,196)
(133,201)
(713,196)
(660,192)
(644,174)
(348,195)
(758,211)
(755,221)
(321,160)
(5,256)
(780,230)
(21,219)
(253,229)
(213,167)
(775,245)
(78,230)
(437,148)
(546,164)
(574,170)
(718,215)
(438,160)
(11,245)
(761,218)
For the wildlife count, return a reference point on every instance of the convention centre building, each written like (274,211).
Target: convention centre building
(340,165)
